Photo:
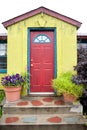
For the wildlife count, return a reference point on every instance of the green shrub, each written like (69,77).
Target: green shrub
(0,111)
(64,84)
(1,98)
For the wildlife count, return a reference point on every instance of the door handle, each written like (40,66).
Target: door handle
(31,59)
(31,65)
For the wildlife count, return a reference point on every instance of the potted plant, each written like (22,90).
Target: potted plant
(64,85)
(13,85)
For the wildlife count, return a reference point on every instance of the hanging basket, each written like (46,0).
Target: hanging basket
(12,93)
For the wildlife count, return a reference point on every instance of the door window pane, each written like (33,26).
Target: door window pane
(42,38)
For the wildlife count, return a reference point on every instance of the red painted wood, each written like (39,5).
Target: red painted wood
(42,63)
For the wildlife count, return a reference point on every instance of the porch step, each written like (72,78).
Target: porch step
(40,105)
(40,113)
(42,122)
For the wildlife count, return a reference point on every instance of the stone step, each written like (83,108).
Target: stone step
(43,122)
(44,127)
(40,105)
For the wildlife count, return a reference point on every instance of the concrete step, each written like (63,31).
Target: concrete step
(40,105)
(43,122)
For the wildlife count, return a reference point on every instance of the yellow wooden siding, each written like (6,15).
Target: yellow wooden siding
(1,75)
(17,43)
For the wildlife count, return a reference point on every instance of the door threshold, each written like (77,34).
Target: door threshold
(42,94)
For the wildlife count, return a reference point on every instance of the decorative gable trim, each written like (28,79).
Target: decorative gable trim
(42,10)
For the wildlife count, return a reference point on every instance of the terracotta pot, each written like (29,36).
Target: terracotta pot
(69,97)
(12,93)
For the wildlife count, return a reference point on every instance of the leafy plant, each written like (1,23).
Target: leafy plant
(26,84)
(1,98)
(60,82)
(1,95)
(64,84)
(0,111)
(81,76)
(81,68)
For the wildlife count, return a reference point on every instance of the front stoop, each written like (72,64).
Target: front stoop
(43,122)
(42,113)
(43,127)
(36,105)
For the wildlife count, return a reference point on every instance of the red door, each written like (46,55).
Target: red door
(41,61)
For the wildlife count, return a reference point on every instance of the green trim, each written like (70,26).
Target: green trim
(3,41)
(55,54)
(3,70)
(28,56)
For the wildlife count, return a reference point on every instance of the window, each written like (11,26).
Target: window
(42,38)
(83,45)
(82,42)
(3,57)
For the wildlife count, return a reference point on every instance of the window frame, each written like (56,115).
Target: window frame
(3,70)
(41,41)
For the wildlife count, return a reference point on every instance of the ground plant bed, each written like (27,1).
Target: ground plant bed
(1,99)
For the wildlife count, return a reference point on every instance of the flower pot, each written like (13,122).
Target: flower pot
(12,93)
(69,97)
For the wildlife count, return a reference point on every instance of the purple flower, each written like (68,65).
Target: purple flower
(13,80)
(7,78)
(17,75)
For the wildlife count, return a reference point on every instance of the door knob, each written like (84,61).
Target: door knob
(31,65)
(31,59)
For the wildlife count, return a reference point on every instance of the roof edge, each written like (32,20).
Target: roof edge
(44,10)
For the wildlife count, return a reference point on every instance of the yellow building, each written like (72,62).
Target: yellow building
(43,43)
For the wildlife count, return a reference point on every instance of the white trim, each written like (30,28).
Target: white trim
(41,93)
